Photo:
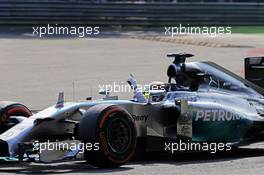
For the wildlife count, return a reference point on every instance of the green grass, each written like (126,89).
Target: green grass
(248,29)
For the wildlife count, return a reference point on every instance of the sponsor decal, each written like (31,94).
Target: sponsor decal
(140,117)
(184,125)
(216,115)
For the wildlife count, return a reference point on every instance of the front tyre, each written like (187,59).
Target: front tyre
(113,128)
(9,109)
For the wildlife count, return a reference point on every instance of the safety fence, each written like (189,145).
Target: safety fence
(34,12)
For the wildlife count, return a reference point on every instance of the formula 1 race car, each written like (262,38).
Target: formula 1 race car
(203,103)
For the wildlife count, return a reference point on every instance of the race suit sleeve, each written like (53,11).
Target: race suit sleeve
(138,95)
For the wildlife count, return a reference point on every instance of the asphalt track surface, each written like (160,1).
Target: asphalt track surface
(242,161)
(34,70)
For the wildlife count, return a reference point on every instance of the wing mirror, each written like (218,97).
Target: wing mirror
(200,77)
(105,92)
(227,84)
(203,75)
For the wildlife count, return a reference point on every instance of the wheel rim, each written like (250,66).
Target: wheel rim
(118,135)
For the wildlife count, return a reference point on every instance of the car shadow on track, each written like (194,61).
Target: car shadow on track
(55,168)
(175,159)
(199,157)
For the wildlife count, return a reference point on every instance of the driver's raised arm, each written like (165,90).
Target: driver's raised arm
(138,95)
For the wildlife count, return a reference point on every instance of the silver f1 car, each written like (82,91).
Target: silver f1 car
(202,102)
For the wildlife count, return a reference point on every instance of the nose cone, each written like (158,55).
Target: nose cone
(4,149)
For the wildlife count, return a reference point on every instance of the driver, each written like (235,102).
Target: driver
(155,91)
(138,95)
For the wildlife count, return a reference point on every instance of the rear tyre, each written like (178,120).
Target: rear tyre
(113,128)
(8,109)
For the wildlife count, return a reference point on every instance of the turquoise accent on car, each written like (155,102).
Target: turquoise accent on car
(220,131)
(8,159)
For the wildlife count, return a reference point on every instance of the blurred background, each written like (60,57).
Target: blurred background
(148,13)
(131,40)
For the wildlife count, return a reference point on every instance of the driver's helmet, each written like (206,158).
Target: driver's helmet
(155,91)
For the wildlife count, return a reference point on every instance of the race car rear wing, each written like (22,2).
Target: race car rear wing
(254,70)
